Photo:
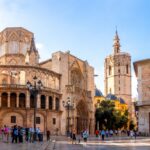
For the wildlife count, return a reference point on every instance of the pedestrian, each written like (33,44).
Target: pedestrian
(85,135)
(135,134)
(111,132)
(131,133)
(20,134)
(48,135)
(103,134)
(107,133)
(6,133)
(15,134)
(96,133)
(73,136)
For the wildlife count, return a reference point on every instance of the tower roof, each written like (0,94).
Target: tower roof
(32,46)
(98,92)
(116,44)
(111,97)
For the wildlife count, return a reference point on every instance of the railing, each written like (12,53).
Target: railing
(12,86)
(18,86)
(143,103)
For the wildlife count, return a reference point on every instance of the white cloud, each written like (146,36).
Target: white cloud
(39,45)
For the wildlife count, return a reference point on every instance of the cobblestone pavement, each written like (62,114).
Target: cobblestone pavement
(64,143)
(23,146)
(124,143)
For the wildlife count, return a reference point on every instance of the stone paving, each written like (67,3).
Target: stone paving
(64,143)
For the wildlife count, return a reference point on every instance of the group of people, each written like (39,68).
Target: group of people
(109,133)
(19,134)
(84,136)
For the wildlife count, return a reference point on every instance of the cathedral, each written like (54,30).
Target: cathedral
(63,76)
(117,71)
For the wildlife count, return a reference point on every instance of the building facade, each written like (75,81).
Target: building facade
(142,71)
(117,71)
(77,83)
(63,75)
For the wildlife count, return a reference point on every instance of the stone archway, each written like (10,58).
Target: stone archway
(82,116)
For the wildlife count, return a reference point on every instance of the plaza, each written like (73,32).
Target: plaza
(62,143)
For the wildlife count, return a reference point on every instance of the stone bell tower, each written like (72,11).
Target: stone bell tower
(118,73)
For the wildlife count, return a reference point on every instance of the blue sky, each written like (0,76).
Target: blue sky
(85,27)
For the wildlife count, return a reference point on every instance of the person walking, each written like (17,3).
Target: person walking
(135,134)
(14,134)
(74,136)
(6,133)
(85,135)
(103,134)
(48,133)
(131,133)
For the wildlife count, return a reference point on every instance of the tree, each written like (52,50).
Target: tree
(108,117)
(131,125)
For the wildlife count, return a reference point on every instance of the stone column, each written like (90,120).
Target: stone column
(28,99)
(54,102)
(17,100)
(8,101)
(0,101)
(38,101)
(47,104)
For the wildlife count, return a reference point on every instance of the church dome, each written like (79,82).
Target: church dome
(98,92)
(122,101)
(111,97)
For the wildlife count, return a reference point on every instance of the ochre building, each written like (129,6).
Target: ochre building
(63,76)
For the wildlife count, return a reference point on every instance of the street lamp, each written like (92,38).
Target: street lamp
(34,89)
(68,105)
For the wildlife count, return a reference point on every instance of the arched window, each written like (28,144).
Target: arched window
(13,100)
(4,99)
(31,101)
(43,101)
(57,104)
(110,70)
(50,103)
(127,69)
(22,99)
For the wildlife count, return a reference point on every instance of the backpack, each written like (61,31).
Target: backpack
(16,132)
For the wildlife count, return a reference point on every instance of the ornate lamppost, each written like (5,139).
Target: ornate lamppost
(68,105)
(34,89)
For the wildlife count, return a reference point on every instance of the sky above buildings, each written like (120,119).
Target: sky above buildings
(85,27)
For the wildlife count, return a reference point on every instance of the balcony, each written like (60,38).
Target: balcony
(24,87)
(143,103)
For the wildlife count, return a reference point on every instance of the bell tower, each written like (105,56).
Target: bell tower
(117,72)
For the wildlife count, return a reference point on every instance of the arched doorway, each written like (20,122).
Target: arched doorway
(22,99)
(4,99)
(13,100)
(82,116)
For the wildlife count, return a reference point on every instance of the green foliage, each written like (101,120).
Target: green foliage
(110,118)
(131,125)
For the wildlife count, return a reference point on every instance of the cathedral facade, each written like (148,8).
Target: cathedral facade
(62,76)
(117,71)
